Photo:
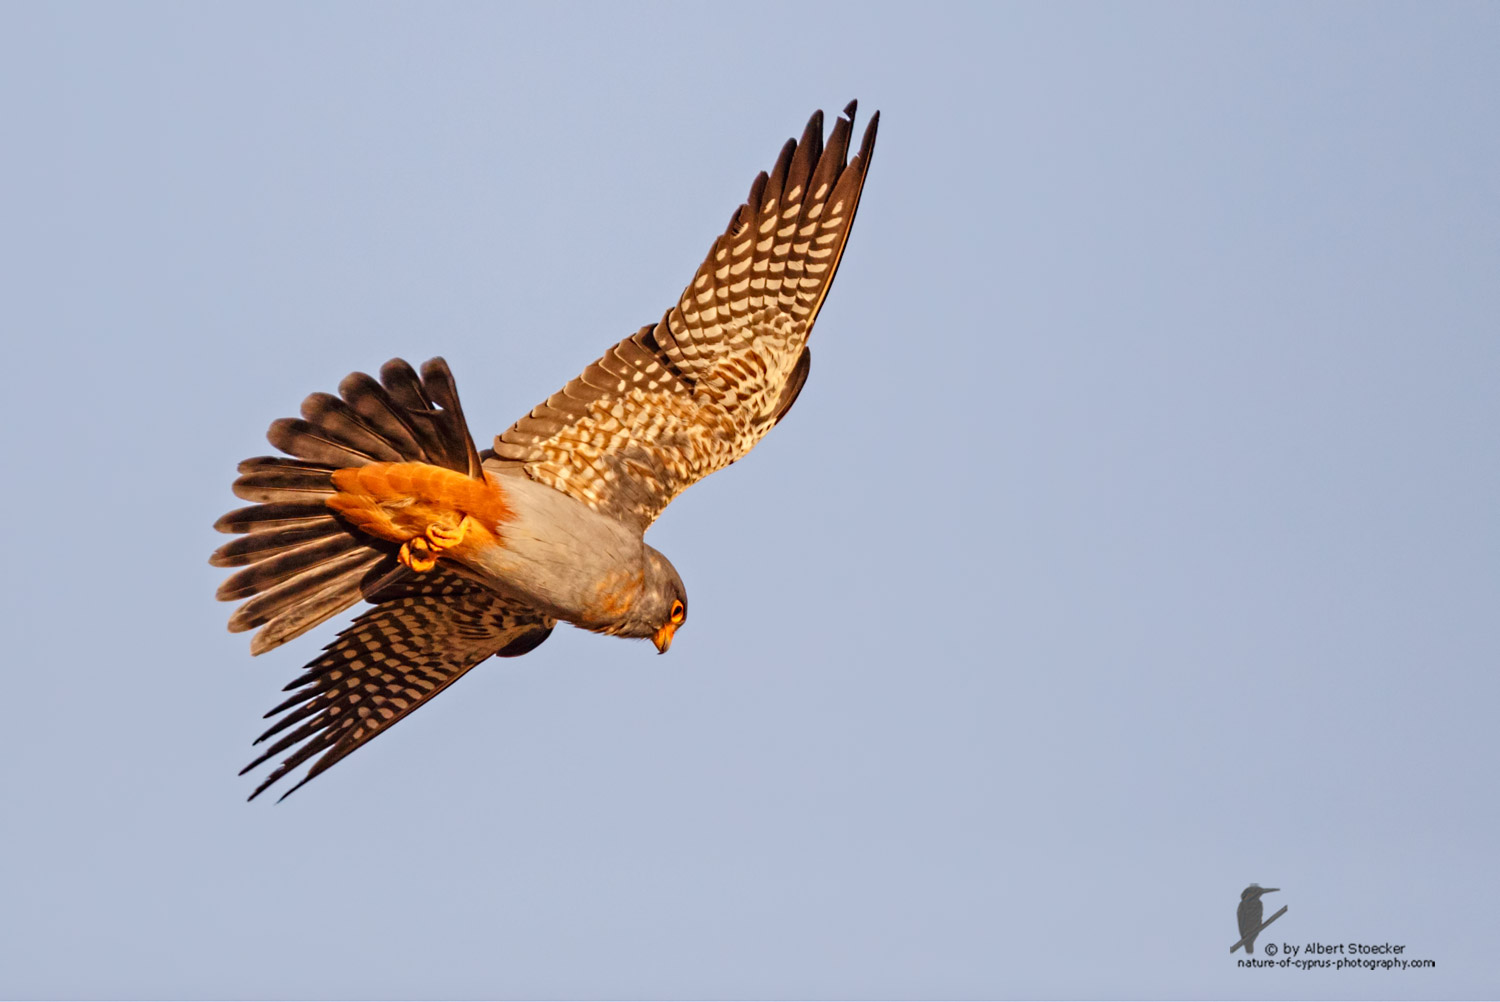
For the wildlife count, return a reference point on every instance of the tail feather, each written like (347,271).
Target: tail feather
(432,400)
(315,444)
(442,392)
(330,414)
(300,561)
(381,413)
(261,545)
(273,517)
(405,388)
(272,569)
(314,608)
(270,479)
(278,598)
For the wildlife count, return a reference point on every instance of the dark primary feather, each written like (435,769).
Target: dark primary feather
(299,562)
(421,636)
(793,388)
(693,393)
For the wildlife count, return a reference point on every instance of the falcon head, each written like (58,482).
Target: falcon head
(661,606)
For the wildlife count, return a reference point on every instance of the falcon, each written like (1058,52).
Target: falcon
(382,497)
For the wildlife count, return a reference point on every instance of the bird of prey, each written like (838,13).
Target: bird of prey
(463,555)
(1250,912)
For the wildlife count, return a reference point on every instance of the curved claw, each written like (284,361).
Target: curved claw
(443,538)
(420,553)
(417,555)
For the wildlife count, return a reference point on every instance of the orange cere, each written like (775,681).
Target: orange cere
(399,501)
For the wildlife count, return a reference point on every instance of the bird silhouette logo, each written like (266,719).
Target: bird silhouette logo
(1249,915)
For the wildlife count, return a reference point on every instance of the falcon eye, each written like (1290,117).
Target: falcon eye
(679,612)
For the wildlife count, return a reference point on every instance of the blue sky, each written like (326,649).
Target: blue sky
(1134,539)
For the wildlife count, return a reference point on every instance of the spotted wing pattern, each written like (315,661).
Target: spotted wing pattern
(675,402)
(420,637)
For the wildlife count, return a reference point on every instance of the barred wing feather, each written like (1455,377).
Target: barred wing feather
(676,401)
(422,635)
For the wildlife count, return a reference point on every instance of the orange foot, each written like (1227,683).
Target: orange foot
(417,555)
(421,553)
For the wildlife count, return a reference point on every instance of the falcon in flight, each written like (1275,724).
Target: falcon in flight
(463,555)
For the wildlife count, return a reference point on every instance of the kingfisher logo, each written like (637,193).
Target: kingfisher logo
(1249,916)
(1353,956)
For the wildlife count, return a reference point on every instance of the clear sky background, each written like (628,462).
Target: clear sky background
(1134,539)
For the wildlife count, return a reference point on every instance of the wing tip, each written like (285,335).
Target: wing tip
(867,143)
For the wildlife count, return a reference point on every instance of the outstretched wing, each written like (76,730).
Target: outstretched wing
(421,636)
(673,403)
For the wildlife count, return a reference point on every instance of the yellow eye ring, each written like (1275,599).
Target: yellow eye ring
(679,612)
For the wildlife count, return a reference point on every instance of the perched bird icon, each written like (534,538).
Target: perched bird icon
(1250,911)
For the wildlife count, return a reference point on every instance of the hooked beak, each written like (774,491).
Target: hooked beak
(663,637)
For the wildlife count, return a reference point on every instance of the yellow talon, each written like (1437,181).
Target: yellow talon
(421,553)
(443,538)
(417,555)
